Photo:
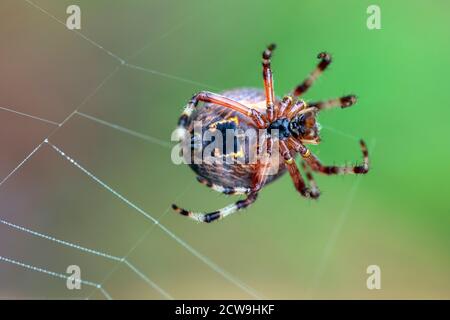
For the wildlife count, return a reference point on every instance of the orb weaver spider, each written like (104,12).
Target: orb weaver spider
(261,109)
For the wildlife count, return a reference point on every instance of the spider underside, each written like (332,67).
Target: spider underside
(294,120)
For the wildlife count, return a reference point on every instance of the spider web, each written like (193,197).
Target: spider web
(47,142)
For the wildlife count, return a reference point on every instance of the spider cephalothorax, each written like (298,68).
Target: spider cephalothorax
(305,127)
(289,124)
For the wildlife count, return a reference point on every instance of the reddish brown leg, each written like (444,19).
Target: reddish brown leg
(251,194)
(316,165)
(262,169)
(299,147)
(298,108)
(268,82)
(325,60)
(222,101)
(294,108)
(312,183)
(285,103)
(343,102)
(293,171)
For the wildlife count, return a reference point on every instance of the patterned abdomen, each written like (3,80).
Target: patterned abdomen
(215,117)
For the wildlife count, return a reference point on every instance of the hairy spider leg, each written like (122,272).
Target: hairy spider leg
(317,166)
(219,214)
(298,108)
(258,182)
(222,189)
(284,104)
(299,183)
(294,108)
(284,108)
(343,102)
(210,97)
(325,60)
(263,164)
(312,183)
(268,82)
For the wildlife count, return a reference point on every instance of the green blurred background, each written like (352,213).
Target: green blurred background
(396,217)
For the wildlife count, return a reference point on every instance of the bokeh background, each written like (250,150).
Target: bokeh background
(396,217)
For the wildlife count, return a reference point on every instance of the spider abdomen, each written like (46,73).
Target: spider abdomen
(214,117)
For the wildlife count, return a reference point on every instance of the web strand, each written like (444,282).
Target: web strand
(122,63)
(115,56)
(82,103)
(126,130)
(90,251)
(339,132)
(194,252)
(170,76)
(342,218)
(21,163)
(164,35)
(55,274)
(65,243)
(137,243)
(30,116)
(76,32)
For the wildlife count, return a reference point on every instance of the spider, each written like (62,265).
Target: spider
(245,108)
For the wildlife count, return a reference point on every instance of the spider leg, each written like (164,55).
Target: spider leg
(289,110)
(299,183)
(312,183)
(299,108)
(294,108)
(325,60)
(343,102)
(219,214)
(222,189)
(285,103)
(210,97)
(268,82)
(252,194)
(316,165)
(262,169)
